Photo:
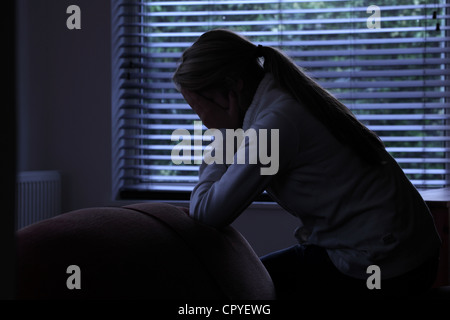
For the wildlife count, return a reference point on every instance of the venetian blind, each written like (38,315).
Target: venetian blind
(389,63)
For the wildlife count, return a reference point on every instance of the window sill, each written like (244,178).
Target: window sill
(436,195)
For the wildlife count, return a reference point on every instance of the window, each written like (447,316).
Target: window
(388,63)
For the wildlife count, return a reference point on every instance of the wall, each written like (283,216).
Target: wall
(64,97)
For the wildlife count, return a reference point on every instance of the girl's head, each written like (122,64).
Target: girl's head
(218,64)
(221,61)
(218,60)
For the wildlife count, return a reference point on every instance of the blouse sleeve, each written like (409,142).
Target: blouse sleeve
(225,190)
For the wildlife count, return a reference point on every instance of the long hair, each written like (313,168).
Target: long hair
(220,57)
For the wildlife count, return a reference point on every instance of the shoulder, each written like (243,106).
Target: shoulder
(271,101)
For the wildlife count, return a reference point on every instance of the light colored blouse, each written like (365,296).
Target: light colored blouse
(362,214)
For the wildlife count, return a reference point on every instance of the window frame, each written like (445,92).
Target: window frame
(118,143)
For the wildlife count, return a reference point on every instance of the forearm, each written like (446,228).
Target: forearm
(223,193)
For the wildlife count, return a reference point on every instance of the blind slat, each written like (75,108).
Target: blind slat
(366,106)
(341,63)
(299,43)
(352,95)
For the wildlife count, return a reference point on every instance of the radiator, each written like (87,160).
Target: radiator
(38,196)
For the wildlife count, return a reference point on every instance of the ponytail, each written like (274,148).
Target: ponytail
(339,120)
